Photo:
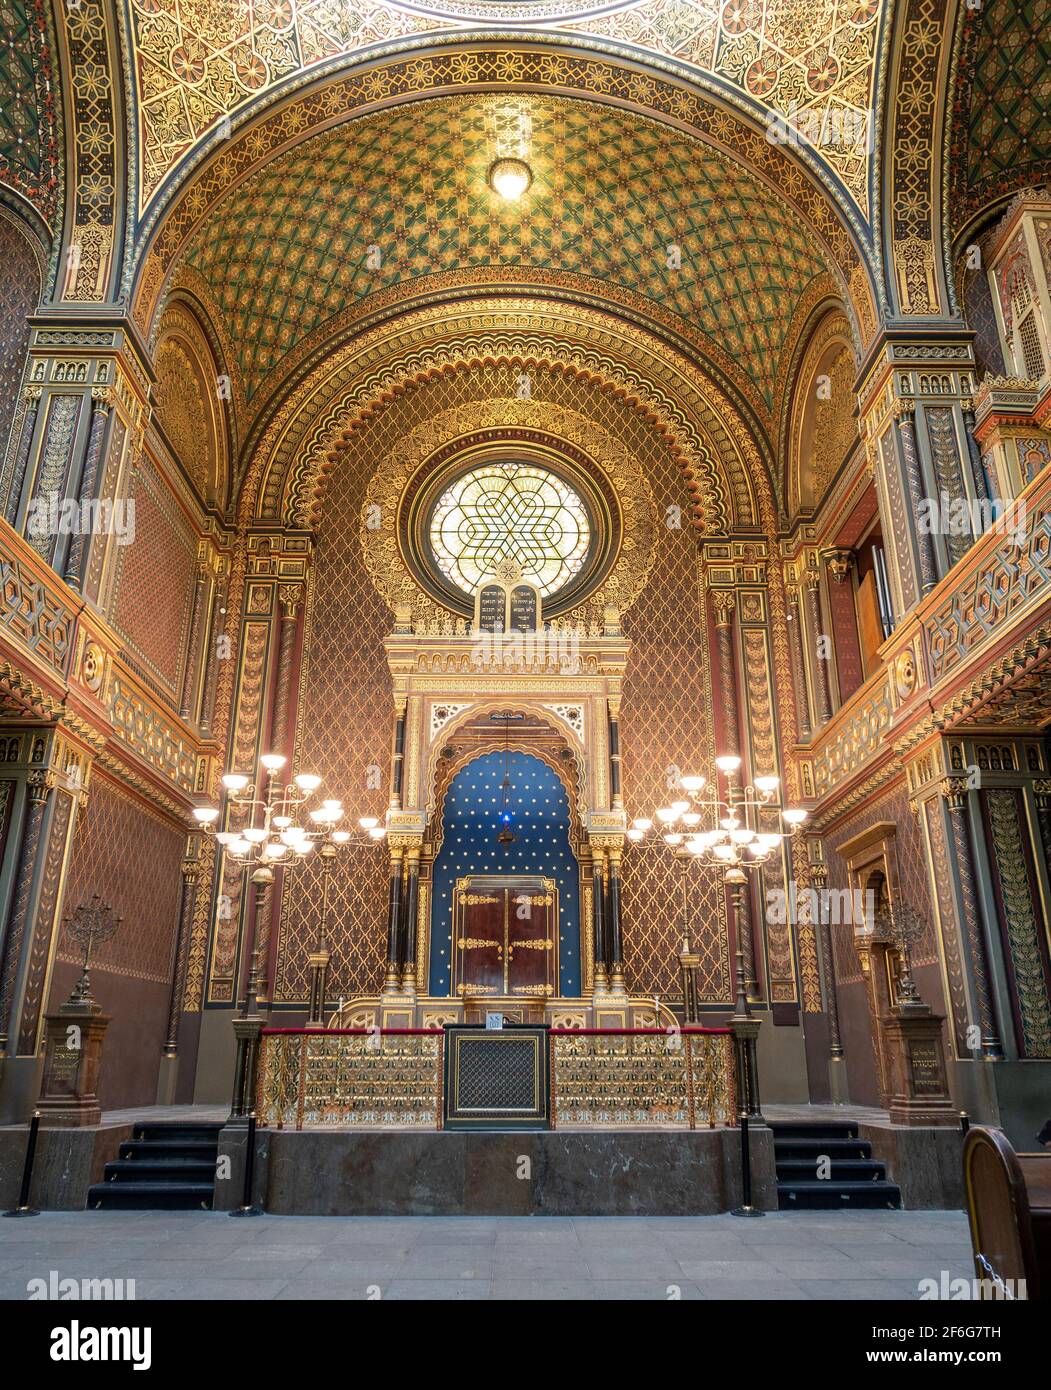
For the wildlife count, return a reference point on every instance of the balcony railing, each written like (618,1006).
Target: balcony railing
(359,1078)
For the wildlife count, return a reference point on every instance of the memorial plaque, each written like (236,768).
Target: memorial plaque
(525,608)
(492,608)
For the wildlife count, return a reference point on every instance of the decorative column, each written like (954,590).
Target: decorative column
(189,678)
(25,444)
(795,631)
(723,605)
(319,957)
(412,898)
(38,790)
(837,1071)
(1042,791)
(812,586)
(598,898)
(616,798)
(954,790)
(290,596)
(905,413)
(397,762)
(392,984)
(616,949)
(100,410)
(974,454)
(169,1062)
(219,646)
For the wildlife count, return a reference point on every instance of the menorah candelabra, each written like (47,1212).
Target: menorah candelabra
(91,923)
(906,927)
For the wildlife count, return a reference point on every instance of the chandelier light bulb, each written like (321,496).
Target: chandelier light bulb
(226,837)
(307,782)
(273,762)
(692,783)
(510,178)
(292,834)
(238,846)
(331,804)
(205,815)
(758,850)
(728,763)
(767,784)
(234,781)
(795,815)
(726,852)
(254,834)
(368,822)
(281,822)
(303,846)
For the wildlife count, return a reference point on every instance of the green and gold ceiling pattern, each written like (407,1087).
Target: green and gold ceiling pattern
(1002,121)
(29,149)
(403,195)
(196,62)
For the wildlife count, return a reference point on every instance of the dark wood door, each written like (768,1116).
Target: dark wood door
(505,936)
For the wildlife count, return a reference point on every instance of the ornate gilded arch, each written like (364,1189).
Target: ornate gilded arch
(723,466)
(331,101)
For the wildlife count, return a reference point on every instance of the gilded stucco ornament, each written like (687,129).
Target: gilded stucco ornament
(384,558)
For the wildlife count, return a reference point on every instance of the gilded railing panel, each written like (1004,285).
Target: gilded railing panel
(372,1079)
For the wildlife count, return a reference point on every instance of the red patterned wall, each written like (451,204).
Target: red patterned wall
(131,857)
(154,578)
(19,295)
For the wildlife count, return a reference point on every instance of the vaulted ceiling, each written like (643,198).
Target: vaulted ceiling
(196,63)
(284,261)
(30,118)
(1002,115)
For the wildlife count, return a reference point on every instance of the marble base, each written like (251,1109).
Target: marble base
(927,1164)
(550,1173)
(67,1162)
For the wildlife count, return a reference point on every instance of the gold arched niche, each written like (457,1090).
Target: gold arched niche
(823,428)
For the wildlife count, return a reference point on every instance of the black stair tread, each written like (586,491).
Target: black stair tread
(839,1167)
(194,1193)
(827,1185)
(165,1132)
(784,1129)
(201,1149)
(169,1168)
(855,1148)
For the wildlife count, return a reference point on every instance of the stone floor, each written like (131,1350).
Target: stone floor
(204,1255)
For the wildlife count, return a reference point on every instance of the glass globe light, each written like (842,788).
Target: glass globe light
(510,178)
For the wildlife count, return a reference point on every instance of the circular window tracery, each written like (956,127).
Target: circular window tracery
(510,511)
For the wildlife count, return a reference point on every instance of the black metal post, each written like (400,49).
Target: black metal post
(246,1208)
(23,1208)
(746,1208)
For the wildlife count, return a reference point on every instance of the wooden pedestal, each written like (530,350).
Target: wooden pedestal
(72,1062)
(919,1091)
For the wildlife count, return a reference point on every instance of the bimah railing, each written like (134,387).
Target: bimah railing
(349,1078)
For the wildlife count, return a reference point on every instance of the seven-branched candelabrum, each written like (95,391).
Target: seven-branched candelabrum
(731,828)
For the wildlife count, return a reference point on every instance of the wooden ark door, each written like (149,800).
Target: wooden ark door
(505,937)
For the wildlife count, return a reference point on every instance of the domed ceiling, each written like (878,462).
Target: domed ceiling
(287,254)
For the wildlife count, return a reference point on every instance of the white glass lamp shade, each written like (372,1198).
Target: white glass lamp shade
(767,784)
(254,834)
(680,806)
(691,783)
(238,846)
(691,818)
(667,814)
(635,833)
(510,178)
(340,837)
(673,839)
(307,782)
(728,762)
(377,832)
(795,815)
(368,822)
(273,762)
(205,815)
(642,823)
(234,781)
(274,849)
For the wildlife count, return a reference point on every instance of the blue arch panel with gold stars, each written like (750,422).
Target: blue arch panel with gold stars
(540,810)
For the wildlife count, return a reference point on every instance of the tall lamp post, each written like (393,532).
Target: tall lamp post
(275,830)
(734,828)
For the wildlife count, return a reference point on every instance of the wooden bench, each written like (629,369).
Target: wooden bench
(1009,1208)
